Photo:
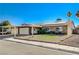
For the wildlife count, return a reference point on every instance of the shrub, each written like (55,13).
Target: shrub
(42,31)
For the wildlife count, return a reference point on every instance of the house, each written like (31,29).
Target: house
(59,27)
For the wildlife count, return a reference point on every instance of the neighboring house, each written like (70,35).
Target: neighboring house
(77,29)
(63,27)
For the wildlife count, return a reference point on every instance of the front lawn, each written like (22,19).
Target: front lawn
(44,37)
(48,38)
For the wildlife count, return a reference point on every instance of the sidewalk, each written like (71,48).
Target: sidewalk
(48,45)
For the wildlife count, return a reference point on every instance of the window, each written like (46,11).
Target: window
(59,29)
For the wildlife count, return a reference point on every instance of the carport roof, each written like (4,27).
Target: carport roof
(31,25)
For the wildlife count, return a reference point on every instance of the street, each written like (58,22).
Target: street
(13,48)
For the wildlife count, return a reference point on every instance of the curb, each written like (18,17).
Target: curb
(48,45)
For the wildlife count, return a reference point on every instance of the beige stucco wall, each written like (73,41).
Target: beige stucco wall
(70,27)
(52,28)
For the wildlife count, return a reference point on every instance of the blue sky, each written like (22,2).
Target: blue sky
(37,13)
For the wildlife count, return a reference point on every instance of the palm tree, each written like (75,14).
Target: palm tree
(77,14)
(69,14)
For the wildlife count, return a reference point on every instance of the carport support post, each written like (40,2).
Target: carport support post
(32,31)
(2,30)
(14,31)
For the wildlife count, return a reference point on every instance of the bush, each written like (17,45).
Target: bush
(42,31)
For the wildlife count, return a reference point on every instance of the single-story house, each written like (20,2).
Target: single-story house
(64,27)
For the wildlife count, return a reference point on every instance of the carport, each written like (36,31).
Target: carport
(27,29)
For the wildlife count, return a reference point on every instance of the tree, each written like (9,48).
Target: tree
(77,14)
(4,23)
(69,14)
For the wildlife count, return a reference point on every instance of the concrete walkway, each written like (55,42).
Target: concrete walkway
(48,45)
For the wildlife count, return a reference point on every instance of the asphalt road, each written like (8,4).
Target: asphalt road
(13,48)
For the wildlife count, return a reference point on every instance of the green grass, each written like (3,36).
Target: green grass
(48,38)
(45,37)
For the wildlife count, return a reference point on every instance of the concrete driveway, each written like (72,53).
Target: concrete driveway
(13,48)
(72,41)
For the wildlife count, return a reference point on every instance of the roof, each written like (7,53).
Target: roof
(59,23)
(30,25)
(56,24)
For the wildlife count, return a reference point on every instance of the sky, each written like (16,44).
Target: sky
(37,13)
